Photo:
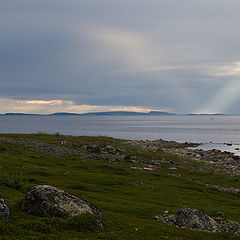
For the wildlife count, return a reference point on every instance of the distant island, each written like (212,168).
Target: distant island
(91,113)
(114,113)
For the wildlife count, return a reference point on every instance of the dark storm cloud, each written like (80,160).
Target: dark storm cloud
(177,54)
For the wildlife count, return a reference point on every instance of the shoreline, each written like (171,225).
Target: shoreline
(226,160)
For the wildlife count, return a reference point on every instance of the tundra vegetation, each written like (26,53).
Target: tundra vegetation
(130,185)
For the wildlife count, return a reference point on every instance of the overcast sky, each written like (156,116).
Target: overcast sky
(181,56)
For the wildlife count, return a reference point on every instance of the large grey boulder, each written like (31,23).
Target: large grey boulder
(4,210)
(48,201)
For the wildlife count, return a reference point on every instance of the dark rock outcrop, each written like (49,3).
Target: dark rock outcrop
(194,219)
(108,149)
(104,152)
(4,210)
(48,201)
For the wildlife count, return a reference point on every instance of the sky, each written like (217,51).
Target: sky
(181,56)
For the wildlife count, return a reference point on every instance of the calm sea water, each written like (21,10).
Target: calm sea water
(216,129)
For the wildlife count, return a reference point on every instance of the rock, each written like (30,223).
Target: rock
(93,148)
(230,161)
(4,210)
(130,158)
(162,161)
(48,201)
(148,169)
(172,168)
(227,152)
(236,157)
(194,219)
(198,156)
(110,149)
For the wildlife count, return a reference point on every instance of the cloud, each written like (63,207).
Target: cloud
(52,106)
(130,50)
(232,69)
(134,58)
(166,53)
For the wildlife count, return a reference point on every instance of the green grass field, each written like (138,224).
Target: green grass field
(129,198)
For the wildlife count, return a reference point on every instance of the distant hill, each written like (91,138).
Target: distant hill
(115,113)
(160,113)
(63,114)
(112,113)
(129,113)
(20,114)
(206,114)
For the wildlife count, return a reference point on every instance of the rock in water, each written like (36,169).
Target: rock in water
(4,210)
(48,201)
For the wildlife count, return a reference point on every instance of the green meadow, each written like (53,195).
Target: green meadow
(128,196)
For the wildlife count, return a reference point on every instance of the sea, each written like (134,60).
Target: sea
(220,132)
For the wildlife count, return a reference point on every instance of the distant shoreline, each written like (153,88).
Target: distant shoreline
(116,113)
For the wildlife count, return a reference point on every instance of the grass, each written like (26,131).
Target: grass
(129,198)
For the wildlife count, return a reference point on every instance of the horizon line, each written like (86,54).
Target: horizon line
(120,112)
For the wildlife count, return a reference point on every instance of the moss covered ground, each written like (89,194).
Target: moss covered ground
(128,197)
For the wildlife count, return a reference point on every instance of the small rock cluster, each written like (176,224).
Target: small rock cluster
(108,149)
(108,152)
(159,144)
(197,220)
(103,152)
(225,160)
(41,147)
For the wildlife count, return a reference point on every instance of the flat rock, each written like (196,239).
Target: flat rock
(48,201)
(4,210)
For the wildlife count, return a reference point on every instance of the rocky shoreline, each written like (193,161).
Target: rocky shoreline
(227,161)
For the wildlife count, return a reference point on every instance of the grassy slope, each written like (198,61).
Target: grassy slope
(128,206)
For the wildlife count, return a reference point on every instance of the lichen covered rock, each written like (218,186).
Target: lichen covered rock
(4,210)
(48,201)
(194,219)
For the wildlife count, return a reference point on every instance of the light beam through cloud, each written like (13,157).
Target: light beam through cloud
(223,100)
